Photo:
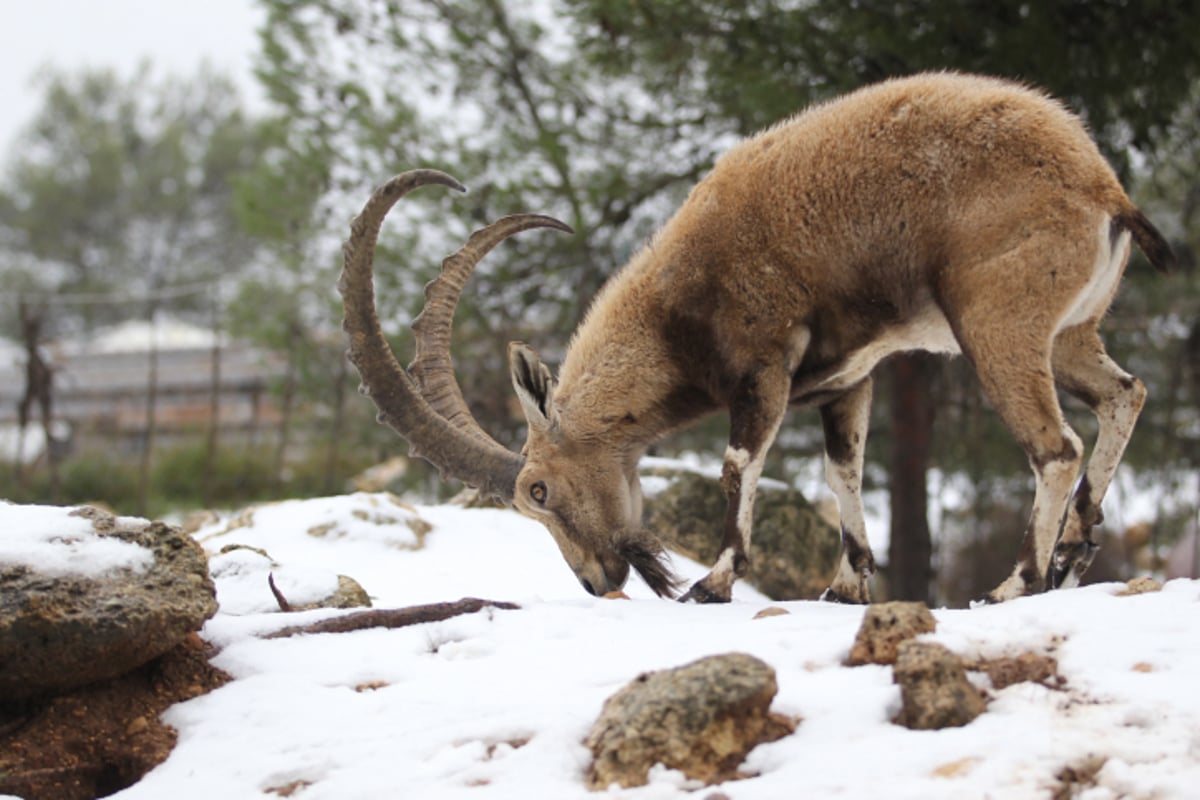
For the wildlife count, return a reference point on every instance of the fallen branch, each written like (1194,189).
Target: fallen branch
(284,605)
(393,617)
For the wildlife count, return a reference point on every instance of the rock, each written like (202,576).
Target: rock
(72,625)
(349,594)
(1004,672)
(934,690)
(1074,780)
(771,611)
(701,719)
(885,626)
(1142,585)
(793,553)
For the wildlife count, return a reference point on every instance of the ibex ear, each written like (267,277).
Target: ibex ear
(534,384)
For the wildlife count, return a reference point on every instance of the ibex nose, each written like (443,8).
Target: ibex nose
(596,582)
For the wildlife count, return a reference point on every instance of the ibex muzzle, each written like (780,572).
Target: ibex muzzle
(942,212)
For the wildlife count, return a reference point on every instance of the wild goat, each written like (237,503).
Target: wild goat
(941,212)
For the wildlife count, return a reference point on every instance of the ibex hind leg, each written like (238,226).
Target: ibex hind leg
(1009,341)
(1084,369)
(1028,405)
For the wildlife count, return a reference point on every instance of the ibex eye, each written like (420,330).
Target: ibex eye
(538,492)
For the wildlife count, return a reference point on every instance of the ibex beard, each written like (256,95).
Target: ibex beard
(946,213)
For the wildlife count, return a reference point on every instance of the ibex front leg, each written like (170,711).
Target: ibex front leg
(754,416)
(845,421)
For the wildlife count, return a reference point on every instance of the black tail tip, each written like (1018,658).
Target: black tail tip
(1152,243)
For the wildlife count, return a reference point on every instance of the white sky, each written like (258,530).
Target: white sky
(175,35)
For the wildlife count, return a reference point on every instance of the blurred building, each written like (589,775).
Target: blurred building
(102,386)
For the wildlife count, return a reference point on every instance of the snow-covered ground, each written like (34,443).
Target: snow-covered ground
(496,704)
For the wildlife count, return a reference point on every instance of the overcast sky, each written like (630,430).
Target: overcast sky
(175,35)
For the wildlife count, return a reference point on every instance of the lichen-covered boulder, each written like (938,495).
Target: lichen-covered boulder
(793,552)
(701,719)
(86,596)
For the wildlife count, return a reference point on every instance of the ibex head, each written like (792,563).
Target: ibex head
(588,498)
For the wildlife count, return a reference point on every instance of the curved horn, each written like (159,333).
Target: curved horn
(458,449)
(432,367)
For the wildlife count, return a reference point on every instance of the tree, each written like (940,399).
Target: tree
(127,184)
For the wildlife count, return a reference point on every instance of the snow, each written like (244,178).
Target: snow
(496,704)
(47,539)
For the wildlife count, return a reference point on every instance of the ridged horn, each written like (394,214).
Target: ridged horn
(432,367)
(430,414)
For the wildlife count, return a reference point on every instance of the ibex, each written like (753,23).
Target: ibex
(942,212)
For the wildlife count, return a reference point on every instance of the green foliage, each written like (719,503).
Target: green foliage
(239,475)
(1125,66)
(93,478)
(86,478)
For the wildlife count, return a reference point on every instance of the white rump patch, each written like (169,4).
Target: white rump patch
(1106,272)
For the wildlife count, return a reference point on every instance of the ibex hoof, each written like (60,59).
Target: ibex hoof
(699,593)
(853,593)
(831,596)
(1070,561)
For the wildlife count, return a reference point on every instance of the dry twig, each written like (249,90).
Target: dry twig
(393,617)
(284,605)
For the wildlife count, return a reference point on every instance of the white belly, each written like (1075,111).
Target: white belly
(928,331)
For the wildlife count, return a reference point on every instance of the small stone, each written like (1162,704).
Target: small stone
(1004,672)
(616,594)
(1143,585)
(136,726)
(956,769)
(771,611)
(349,594)
(885,626)
(370,686)
(934,690)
